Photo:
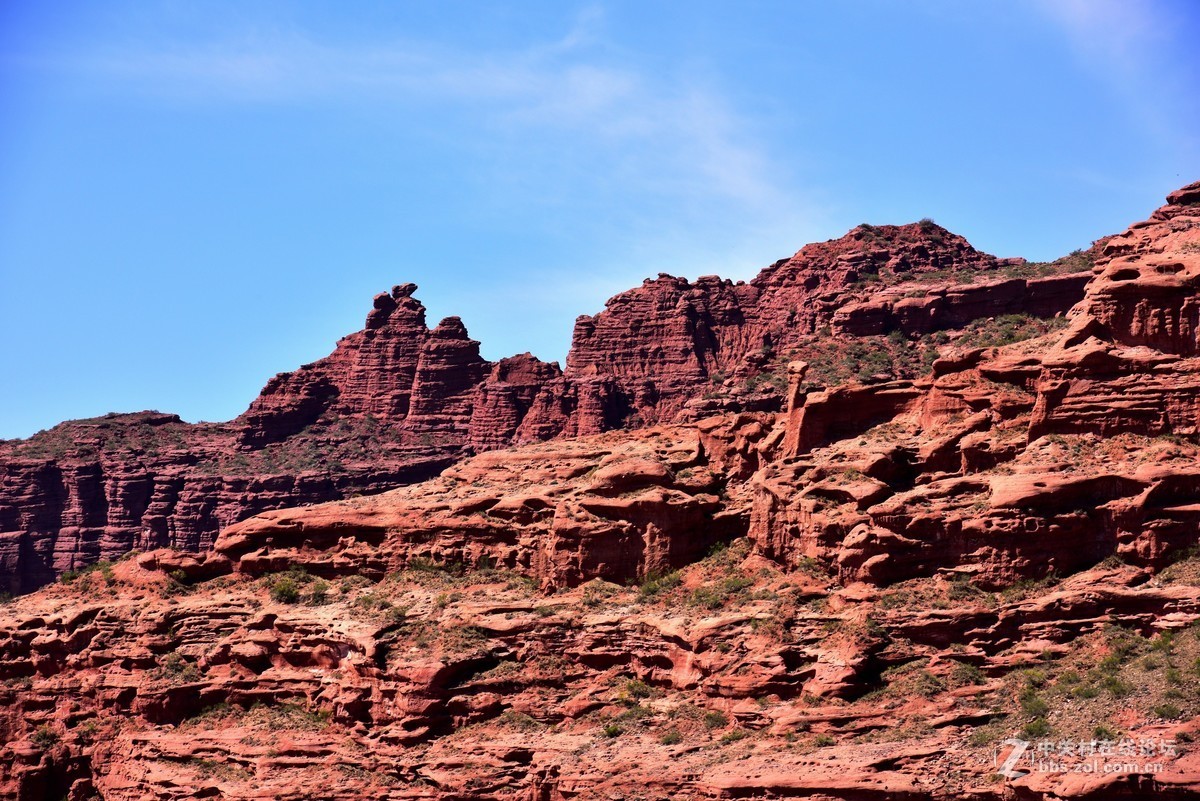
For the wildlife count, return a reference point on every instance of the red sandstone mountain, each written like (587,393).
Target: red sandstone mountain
(397,402)
(853,563)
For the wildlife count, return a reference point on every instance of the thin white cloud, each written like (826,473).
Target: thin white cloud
(1129,45)
(1119,31)
(665,135)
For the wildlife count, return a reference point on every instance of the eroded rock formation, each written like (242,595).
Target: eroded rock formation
(396,402)
(861,591)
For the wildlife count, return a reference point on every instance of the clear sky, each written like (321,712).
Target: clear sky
(197,195)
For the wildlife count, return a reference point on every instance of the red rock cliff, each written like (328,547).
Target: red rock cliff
(397,402)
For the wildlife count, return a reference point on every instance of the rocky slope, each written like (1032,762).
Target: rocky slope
(397,402)
(866,593)
(730,679)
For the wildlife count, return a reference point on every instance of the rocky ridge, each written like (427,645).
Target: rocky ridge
(397,402)
(862,593)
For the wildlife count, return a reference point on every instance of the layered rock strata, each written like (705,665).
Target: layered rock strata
(868,593)
(396,402)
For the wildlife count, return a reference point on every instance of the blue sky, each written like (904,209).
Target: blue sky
(197,195)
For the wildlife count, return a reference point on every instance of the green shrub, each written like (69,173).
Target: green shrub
(88,730)
(715,720)
(179,670)
(961,589)
(636,688)
(318,594)
(1117,687)
(707,597)
(984,736)
(733,736)
(1035,677)
(927,685)
(823,740)
(598,592)
(612,730)
(1033,705)
(656,584)
(964,673)
(715,597)
(636,712)
(1038,727)
(1007,329)
(1167,711)
(519,721)
(44,737)
(1105,733)
(671,737)
(1164,643)
(285,590)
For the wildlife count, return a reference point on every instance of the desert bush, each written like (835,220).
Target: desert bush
(1167,711)
(44,737)
(656,584)
(1036,728)
(964,673)
(285,590)
(179,670)
(636,689)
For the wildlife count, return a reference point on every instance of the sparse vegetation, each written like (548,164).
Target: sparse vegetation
(636,689)
(1036,729)
(1008,329)
(44,737)
(964,673)
(722,593)
(296,585)
(655,584)
(733,736)
(177,669)
(285,590)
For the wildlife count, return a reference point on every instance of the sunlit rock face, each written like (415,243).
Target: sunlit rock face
(885,542)
(398,402)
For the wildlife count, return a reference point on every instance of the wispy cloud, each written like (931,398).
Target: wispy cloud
(670,135)
(1119,31)
(1134,45)
(656,171)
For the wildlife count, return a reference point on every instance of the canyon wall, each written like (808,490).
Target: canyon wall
(866,592)
(397,402)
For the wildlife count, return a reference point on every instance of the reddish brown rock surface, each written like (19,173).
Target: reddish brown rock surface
(851,567)
(397,402)
(732,678)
